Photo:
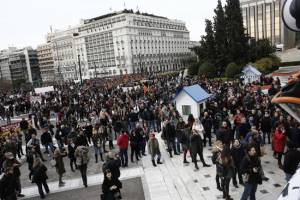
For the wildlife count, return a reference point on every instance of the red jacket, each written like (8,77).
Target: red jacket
(279,141)
(123,141)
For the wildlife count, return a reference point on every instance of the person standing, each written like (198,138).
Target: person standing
(8,186)
(12,164)
(34,143)
(134,146)
(251,171)
(207,125)
(46,140)
(291,161)
(112,163)
(122,142)
(197,143)
(40,177)
(82,159)
(71,154)
(266,127)
(168,134)
(237,153)
(279,144)
(111,187)
(154,151)
(216,154)
(97,142)
(226,162)
(58,155)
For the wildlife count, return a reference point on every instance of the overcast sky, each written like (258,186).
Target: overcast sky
(26,22)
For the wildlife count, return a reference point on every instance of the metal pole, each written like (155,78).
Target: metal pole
(95,74)
(79,69)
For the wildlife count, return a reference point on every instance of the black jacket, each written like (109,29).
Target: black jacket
(81,141)
(237,153)
(24,125)
(107,193)
(8,186)
(168,132)
(247,165)
(196,143)
(114,166)
(291,161)
(39,174)
(46,138)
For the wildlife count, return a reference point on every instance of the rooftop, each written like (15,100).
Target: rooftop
(121,12)
(196,92)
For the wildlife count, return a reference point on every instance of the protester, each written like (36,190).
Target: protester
(153,147)
(111,187)
(82,159)
(40,177)
(58,155)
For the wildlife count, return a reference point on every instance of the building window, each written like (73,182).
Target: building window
(186,109)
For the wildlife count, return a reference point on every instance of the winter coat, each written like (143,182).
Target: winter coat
(8,187)
(113,165)
(291,161)
(266,125)
(225,135)
(60,166)
(81,155)
(123,141)
(168,132)
(46,138)
(39,174)
(196,144)
(81,140)
(153,146)
(237,153)
(107,193)
(71,151)
(279,141)
(247,165)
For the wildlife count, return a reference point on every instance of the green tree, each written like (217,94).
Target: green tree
(207,69)
(259,49)
(265,65)
(232,70)
(236,39)
(220,37)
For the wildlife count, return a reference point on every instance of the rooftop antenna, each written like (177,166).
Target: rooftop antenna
(110,9)
(137,8)
(124,5)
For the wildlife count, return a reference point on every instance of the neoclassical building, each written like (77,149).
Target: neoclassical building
(119,43)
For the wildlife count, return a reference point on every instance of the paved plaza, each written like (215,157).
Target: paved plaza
(171,181)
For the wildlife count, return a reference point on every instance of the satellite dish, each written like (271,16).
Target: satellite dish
(291,14)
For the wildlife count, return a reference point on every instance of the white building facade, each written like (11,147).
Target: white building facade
(121,43)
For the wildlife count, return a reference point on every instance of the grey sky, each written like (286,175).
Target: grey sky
(26,22)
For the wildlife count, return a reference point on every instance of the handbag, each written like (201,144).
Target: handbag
(53,162)
(245,177)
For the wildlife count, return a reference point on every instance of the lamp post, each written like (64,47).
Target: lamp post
(79,65)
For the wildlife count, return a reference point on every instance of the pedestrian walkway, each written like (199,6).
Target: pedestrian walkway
(71,184)
(174,180)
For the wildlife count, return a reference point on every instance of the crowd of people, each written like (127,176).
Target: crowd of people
(237,123)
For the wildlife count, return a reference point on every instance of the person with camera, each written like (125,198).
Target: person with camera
(111,186)
(252,173)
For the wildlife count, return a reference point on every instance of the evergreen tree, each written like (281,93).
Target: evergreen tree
(236,39)
(220,37)
(208,43)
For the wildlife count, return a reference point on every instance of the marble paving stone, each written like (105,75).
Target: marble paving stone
(277,185)
(205,188)
(207,176)
(264,191)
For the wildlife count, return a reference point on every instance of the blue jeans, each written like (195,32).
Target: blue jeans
(249,191)
(52,148)
(288,177)
(98,150)
(124,157)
